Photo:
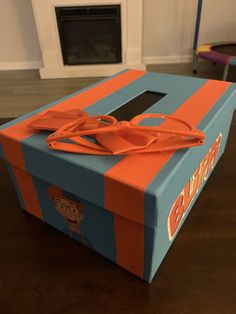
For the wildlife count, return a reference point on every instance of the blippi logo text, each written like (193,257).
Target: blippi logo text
(183,201)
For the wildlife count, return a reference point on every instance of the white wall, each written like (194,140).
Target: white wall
(169,27)
(168,30)
(19,45)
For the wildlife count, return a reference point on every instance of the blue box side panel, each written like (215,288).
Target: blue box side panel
(12,176)
(149,246)
(13,179)
(95,230)
(171,189)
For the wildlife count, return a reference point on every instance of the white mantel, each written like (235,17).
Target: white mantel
(131,33)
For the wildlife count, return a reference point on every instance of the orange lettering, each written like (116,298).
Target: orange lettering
(176,215)
(191,189)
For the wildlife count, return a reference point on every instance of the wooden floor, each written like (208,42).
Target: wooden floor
(43,271)
(23,91)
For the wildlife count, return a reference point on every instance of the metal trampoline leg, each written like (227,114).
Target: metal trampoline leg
(195,59)
(226,70)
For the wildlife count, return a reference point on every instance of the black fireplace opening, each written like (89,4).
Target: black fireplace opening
(90,34)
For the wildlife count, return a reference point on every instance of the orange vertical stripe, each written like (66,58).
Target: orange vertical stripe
(13,135)
(129,256)
(26,186)
(126,182)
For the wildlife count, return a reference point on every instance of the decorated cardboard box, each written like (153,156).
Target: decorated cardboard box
(128,208)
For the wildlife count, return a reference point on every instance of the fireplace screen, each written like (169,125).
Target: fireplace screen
(90,34)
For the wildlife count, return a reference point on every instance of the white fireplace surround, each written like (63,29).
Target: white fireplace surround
(131,37)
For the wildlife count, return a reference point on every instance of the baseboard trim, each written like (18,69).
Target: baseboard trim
(27,65)
(167,59)
(87,70)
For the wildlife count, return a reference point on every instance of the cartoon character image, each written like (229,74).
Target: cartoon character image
(69,209)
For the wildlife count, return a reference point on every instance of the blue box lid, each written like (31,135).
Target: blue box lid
(130,186)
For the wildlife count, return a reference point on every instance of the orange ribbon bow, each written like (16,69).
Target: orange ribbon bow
(105,135)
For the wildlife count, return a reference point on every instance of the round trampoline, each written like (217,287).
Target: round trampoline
(223,52)
(220,52)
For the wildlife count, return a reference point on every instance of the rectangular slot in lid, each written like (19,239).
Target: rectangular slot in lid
(137,105)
